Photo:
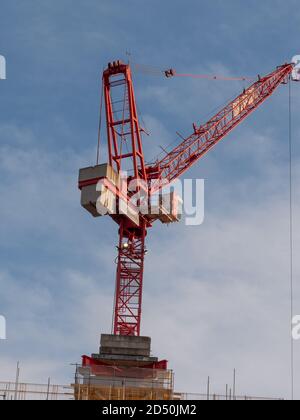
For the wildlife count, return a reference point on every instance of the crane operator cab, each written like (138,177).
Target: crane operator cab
(296,71)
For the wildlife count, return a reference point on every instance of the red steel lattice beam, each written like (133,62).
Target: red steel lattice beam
(123,130)
(129,281)
(182,157)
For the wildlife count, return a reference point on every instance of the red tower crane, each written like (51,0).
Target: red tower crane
(102,187)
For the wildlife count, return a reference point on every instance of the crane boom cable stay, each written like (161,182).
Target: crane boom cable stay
(214,77)
(100,124)
(154,71)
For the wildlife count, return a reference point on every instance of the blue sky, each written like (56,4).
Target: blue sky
(216,296)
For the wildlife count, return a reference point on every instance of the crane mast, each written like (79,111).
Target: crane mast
(125,153)
(123,131)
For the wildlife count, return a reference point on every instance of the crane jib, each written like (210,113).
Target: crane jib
(206,136)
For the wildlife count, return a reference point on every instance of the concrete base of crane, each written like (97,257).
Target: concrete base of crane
(129,350)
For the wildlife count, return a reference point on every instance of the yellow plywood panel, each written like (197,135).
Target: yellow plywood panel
(98,393)
(244,101)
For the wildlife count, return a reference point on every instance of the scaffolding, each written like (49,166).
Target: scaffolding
(27,391)
(122,383)
(221,397)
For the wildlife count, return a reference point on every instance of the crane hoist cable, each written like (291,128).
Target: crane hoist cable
(291,237)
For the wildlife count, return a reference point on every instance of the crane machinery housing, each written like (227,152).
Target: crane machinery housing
(126,184)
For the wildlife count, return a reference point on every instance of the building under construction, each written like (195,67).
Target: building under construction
(123,370)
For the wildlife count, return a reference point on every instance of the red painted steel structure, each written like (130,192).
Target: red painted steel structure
(129,280)
(182,157)
(123,130)
(122,120)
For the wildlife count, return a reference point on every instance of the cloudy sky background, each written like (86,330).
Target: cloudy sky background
(216,296)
